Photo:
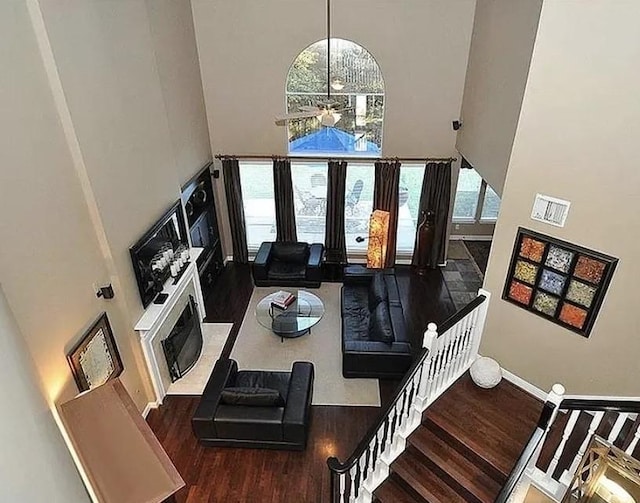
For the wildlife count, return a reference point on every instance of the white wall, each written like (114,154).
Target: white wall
(50,255)
(578,130)
(101,122)
(246,48)
(504,32)
(34,462)
(173,39)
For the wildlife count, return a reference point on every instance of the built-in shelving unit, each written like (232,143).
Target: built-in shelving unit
(198,199)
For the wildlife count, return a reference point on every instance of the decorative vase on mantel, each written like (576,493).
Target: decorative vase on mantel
(425,235)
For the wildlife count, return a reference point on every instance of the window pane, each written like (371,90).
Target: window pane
(358,205)
(256,179)
(491,205)
(310,200)
(350,121)
(408,200)
(467,192)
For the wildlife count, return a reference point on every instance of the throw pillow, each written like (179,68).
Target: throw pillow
(380,328)
(377,291)
(253,397)
(291,252)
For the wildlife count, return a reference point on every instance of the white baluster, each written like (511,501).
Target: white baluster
(617,427)
(352,485)
(362,462)
(433,370)
(636,437)
(341,483)
(471,329)
(451,358)
(593,426)
(462,348)
(449,341)
(437,367)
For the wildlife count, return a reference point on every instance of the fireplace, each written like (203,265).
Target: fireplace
(183,346)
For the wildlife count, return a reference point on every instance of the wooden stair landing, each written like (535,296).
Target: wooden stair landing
(463,451)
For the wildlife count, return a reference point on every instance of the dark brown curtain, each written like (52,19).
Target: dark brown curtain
(233,191)
(435,197)
(334,238)
(385,197)
(283,193)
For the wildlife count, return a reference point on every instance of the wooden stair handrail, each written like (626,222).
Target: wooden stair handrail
(606,405)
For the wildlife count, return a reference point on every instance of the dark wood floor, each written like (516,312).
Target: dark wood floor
(247,475)
(243,475)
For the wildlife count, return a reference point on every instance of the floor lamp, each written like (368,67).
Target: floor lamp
(378,238)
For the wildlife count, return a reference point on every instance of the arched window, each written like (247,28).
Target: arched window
(354,98)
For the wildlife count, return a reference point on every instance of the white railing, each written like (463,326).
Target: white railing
(444,358)
(585,417)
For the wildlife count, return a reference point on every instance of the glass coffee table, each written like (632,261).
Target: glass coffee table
(294,321)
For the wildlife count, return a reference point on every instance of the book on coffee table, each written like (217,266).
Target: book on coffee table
(282,299)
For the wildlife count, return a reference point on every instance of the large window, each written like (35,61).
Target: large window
(256,179)
(411,176)
(475,200)
(358,205)
(310,200)
(356,100)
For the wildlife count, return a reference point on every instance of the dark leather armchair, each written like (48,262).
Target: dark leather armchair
(278,418)
(288,264)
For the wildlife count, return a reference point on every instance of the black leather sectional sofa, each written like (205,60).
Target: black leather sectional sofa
(255,409)
(374,334)
(288,264)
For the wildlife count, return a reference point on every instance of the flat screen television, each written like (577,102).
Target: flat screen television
(169,230)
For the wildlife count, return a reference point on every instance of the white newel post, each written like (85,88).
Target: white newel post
(479,325)
(429,343)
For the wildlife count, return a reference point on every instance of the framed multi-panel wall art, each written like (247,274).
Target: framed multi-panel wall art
(560,281)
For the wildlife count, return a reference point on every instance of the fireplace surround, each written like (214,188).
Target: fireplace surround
(183,346)
(158,321)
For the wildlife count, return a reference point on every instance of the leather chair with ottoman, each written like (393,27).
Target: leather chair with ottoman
(374,335)
(256,409)
(288,264)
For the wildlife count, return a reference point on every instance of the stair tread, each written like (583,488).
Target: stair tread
(392,492)
(454,463)
(481,419)
(423,481)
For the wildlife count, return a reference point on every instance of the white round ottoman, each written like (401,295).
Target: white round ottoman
(486,372)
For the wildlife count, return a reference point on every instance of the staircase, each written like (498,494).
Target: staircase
(465,447)
(444,440)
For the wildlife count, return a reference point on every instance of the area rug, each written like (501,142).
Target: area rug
(257,348)
(214,336)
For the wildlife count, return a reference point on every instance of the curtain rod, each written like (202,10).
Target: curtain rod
(331,158)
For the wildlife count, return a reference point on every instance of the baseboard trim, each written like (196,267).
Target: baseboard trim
(470,237)
(148,407)
(525,385)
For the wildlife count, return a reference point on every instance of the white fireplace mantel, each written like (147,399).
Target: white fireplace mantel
(153,318)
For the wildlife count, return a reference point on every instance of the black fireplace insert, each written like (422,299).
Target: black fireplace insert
(183,346)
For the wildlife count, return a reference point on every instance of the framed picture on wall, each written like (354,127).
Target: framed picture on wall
(560,281)
(95,358)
